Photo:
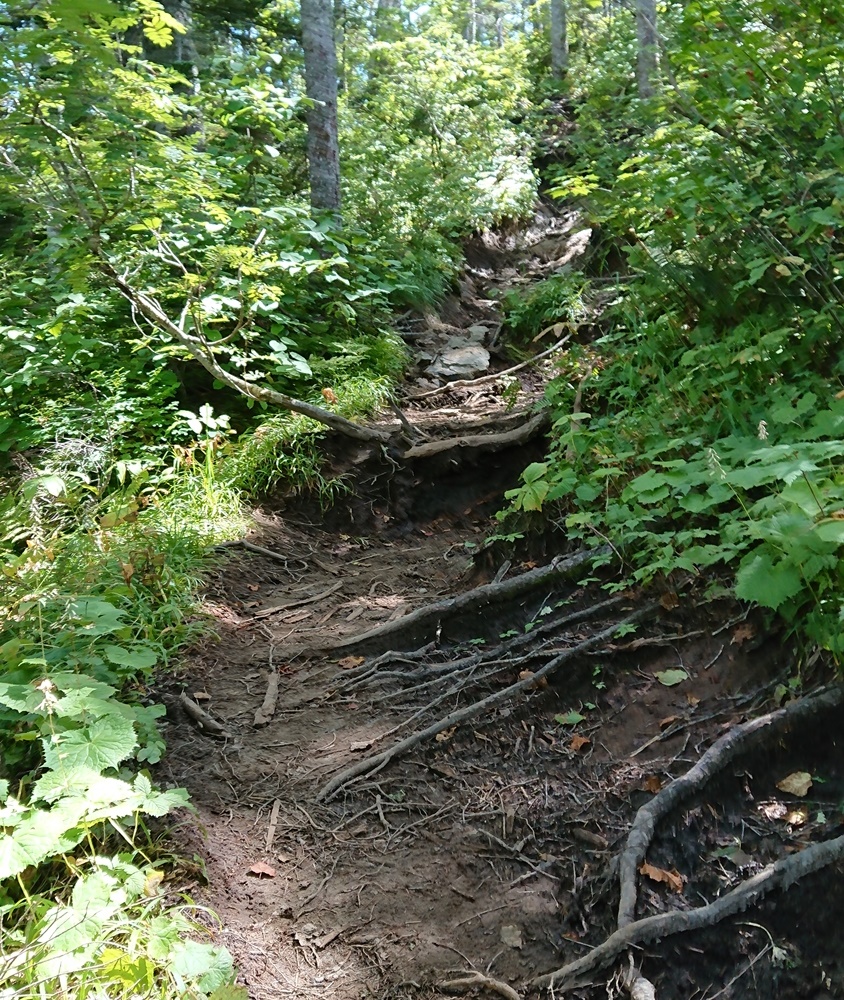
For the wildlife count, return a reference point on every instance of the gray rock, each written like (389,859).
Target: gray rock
(460,362)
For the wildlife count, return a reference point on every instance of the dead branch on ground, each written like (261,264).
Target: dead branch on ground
(469,383)
(490,442)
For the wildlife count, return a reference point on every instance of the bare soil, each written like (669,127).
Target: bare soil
(492,847)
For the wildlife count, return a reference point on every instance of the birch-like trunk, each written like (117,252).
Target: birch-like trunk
(647,60)
(559,39)
(321,87)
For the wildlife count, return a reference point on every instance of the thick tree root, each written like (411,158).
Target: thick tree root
(425,619)
(377,761)
(780,875)
(489,442)
(724,750)
(372,672)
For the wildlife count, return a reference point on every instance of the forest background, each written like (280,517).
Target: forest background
(186,310)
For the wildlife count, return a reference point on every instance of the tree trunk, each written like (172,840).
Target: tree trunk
(321,87)
(647,61)
(559,39)
(388,15)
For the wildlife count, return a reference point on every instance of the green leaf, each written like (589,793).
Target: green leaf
(206,965)
(101,746)
(139,657)
(570,718)
(670,678)
(767,581)
(230,992)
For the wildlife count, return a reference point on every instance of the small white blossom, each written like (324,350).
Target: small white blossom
(714,463)
(762,431)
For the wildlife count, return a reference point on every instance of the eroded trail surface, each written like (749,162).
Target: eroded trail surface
(490,846)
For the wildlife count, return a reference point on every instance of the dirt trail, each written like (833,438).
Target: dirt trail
(489,848)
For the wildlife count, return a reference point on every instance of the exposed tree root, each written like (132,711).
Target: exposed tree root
(371,672)
(724,750)
(490,442)
(469,383)
(423,619)
(380,760)
(780,875)
(478,979)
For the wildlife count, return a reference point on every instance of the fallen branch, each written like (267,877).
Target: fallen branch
(506,439)
(200,716)
(724,750)
(252,547)
(298,603)
(264,715)
(202,351)
(426,616)
(780,875)
(377,761)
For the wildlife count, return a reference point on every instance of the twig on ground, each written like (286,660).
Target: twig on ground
(259,549)
(273,825)
(649,930)
(479,979)
(742,972)
(199,715)
(263,716)
(288,605)
(724,750)
(470,711)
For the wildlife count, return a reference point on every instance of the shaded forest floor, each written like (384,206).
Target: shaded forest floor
(491,847)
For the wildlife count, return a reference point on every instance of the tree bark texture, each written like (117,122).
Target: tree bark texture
(647,61)
(559,39)
(321,87)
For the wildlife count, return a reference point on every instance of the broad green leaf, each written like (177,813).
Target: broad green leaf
(102,746)
(670,678)
(139,657)
(767,582)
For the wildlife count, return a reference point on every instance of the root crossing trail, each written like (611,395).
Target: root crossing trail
(415,772)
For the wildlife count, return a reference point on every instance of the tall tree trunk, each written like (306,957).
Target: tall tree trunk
(647,60)
(388,16)
(321,87)
(471,33)
(559,39)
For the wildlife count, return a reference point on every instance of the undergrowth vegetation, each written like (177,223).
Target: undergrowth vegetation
(135,153)
(705,429)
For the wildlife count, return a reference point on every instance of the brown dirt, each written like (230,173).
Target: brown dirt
(446,859)
(491,848)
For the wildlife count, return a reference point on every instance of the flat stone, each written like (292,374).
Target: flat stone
(460,362)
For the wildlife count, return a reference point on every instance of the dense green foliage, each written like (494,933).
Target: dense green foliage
(158,259)
(153,214)
(710,432)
